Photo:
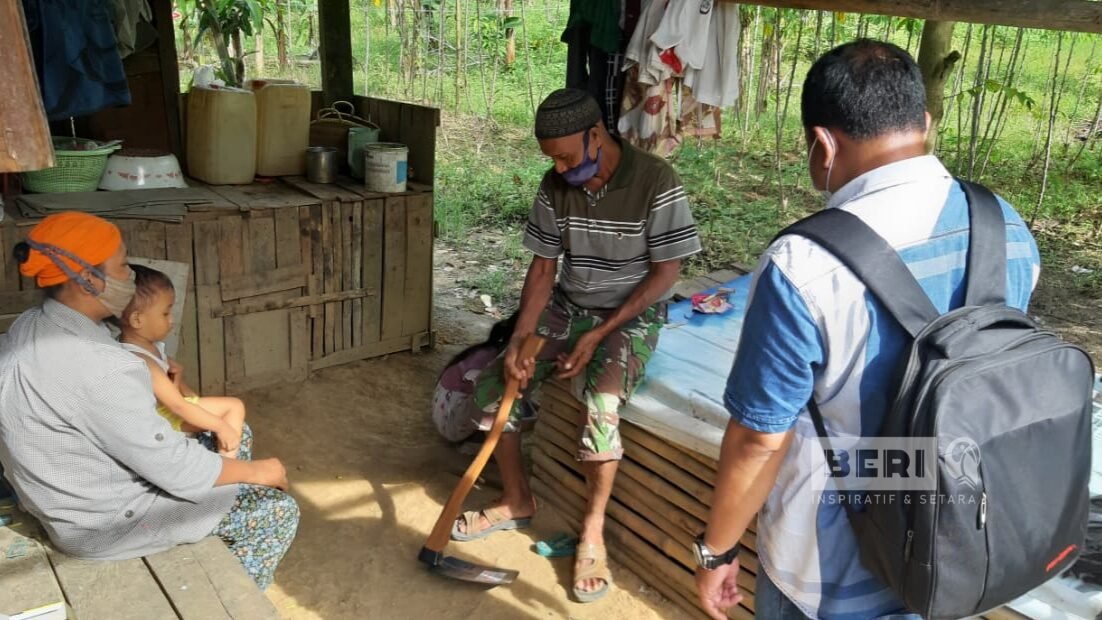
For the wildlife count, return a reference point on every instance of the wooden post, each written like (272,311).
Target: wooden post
(170,74)
(1068,15)
(334,22)
(24,134)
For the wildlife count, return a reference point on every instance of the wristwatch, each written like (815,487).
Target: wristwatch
(710,561)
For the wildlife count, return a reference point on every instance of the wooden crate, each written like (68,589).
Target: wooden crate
(286,278)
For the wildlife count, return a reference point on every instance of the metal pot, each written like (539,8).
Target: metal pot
(321,164)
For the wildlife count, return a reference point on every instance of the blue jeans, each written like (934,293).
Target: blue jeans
(771,604)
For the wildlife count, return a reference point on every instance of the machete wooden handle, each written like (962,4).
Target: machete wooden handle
(441,532)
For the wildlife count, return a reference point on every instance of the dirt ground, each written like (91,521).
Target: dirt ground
(371,474)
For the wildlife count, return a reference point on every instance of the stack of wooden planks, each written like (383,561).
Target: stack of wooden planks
(659,502)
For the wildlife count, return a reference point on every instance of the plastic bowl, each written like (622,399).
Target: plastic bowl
(138,169)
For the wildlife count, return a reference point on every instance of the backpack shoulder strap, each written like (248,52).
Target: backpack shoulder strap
(873,261)
(986,272)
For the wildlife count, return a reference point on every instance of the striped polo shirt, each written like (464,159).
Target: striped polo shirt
(813,328)
(609,239)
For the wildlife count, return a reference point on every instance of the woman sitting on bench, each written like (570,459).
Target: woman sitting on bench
(80,441)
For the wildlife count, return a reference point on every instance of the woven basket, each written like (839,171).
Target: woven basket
(75,171)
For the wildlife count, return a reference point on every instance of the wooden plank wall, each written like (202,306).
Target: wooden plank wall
(372,276)
(409,124)
(286,278)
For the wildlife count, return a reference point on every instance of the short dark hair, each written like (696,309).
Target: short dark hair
(148,283)
(865,88)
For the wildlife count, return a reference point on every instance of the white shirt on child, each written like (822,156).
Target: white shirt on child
(160,358)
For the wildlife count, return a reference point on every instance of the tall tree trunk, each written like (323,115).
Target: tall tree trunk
(936,59)
(281,35)
(258,51)
(745,57)
(1079,100)
(1000,115)
(818,34)
(979,100)
(527,57)
(186,51)
(506,12)
(1053,111)
(238,56)
(459,68)
(1094,127)
(770,59)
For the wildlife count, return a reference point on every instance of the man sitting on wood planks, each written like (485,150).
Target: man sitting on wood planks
(620,219)
(80,438)
(813,329)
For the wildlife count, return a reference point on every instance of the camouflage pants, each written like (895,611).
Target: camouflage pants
(610,377)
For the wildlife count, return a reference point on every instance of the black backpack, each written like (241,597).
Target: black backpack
(1010,406)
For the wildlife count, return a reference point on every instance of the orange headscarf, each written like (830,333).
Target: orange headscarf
(92,239)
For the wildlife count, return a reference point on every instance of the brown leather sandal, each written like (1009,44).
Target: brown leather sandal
(596,569)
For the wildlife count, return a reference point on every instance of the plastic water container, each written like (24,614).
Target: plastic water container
(221,135)
(386,167)
(282,127)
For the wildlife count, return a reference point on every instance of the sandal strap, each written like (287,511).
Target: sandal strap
(597,569)
(591,551)
(494,515)
(472,519)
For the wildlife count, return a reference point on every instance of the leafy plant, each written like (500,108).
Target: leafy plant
(225,21)
(994,86)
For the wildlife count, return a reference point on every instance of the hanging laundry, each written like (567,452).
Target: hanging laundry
(648,120)
(594,60)
(697,119)
(647,117)
(692,45)
(716,81)
(76,56)
(128,14)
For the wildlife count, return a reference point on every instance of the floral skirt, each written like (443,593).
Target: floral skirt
(262,523)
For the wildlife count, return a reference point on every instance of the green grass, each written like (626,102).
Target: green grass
(489,165)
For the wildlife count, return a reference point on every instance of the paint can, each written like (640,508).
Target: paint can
(386,167)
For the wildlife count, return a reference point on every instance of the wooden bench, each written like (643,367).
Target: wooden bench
(203,581)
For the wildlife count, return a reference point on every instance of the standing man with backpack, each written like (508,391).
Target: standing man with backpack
(820,355)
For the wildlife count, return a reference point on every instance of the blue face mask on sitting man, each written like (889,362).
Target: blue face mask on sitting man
(581,174)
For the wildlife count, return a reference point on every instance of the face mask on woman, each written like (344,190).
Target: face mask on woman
(116,294)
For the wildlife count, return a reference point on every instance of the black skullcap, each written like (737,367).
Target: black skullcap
(565,112)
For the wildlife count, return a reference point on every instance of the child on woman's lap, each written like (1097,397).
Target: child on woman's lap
(145,324)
